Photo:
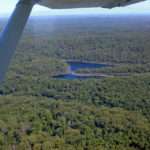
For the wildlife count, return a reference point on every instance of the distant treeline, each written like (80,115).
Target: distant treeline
(101,39)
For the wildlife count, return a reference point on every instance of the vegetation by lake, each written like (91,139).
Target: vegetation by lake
(120,69)
(38,112)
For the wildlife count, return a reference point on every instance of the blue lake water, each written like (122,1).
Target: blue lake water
(73,77)
(74,66)
(80,65)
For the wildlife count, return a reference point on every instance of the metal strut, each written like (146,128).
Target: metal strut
(12,33)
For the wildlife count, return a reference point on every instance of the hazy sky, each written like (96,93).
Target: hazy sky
(6,7)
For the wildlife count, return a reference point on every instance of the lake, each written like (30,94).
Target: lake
(74,66)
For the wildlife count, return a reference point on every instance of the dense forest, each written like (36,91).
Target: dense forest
(39,112)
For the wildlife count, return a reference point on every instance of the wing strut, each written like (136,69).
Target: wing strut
(12,33)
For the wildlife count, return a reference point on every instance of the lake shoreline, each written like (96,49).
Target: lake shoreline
(74,65)
(94,75)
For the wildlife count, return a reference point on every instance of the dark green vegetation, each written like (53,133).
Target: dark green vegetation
(39,123)
(38,112)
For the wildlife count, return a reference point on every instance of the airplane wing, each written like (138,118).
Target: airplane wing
(63,4)
(10,36)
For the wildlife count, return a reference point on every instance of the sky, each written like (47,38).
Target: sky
(7,6)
